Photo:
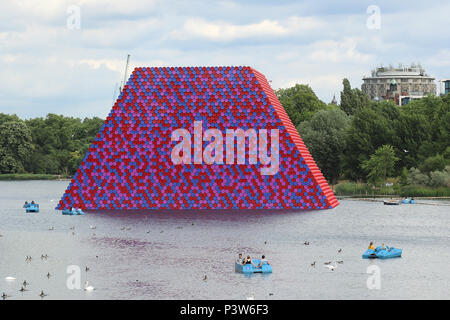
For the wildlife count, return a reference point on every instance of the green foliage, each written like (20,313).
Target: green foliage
(352,100)
(29,176)
(434,163)
(380,165)
(423,191)
(300,103)
(417,178)
(370,128)
(51,145)
(60,143)
(404,177)
(324,135)
(15,145)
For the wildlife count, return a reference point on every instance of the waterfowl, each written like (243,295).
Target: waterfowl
(313,264)
(42,294)
(87,287)
(340,250)
(331,267)
(48,275)
(4,296)
(252,296)
(10,278)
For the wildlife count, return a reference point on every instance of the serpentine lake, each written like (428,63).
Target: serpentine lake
(166,254)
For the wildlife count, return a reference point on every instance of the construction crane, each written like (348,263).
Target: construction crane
(125,75)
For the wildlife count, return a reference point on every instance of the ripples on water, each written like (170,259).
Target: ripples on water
(165,254)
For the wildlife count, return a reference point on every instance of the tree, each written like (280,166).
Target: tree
(380,165)
(300,102)
(369,129)
(324,135)
(15,145)
(352,100)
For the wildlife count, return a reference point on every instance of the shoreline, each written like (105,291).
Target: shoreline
(33,176)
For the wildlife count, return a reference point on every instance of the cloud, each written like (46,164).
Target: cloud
(225,31)
(49,68)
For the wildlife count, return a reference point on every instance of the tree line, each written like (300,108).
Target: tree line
(52,145)
(365,140)
(358,140)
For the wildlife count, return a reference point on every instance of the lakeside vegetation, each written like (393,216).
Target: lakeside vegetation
(357,140)
(31,176)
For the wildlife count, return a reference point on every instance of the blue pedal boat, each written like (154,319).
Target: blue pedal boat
(380,253)
(249,268)
(32,207)
(73,212)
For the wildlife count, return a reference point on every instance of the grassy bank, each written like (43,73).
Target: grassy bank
(31,176)
(364,190)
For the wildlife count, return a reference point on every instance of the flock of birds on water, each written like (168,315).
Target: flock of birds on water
(25,284)
(331,265)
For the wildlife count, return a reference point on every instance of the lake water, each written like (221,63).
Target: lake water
(165,255)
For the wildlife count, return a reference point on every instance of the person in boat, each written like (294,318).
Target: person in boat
(240,260)
(371,246)
(248,260)
(32,202)
(263,261)
(25,204)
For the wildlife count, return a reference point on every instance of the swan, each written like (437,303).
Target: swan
(93,227)
(331,267)
(10,278)
(87,287)
(252,297)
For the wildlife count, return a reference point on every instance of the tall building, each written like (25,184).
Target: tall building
(444,87)
(401,84)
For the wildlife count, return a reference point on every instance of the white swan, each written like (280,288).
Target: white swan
(252,297)
(331,267)
(10,278)
(87,287)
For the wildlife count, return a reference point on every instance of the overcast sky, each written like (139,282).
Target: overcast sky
(48,65)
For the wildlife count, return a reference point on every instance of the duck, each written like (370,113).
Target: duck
(48,275)
(87,269)
(22,289)
(340,250)
(306,243)
(87,287)
(205,278)
(331,267)
(252,296)
(25,283)
(42,294)
(313,264)
(93,227)
(4,296)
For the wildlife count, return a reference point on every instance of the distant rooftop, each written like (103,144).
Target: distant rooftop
(401,71)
